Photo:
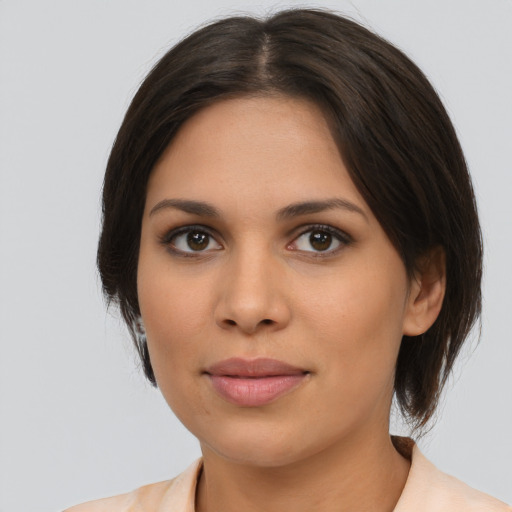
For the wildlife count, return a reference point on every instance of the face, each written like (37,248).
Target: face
(273,302)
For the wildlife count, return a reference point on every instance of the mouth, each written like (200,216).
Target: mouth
(255,382)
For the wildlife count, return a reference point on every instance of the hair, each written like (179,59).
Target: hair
(394,136)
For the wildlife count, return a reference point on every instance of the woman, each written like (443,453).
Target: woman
(285,210)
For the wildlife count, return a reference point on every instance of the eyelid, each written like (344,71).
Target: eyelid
(306,228)
(343,237)
(167,238)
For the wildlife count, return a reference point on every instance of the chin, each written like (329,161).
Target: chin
(262,445)
(255,454)
(251,444)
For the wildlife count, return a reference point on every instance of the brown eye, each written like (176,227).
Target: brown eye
(198,241)
(320,240)
(191,240)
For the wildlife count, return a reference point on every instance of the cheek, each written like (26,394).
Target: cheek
(359,300)
(175,316)
(175,309)
(172,310)
(358,319)
(171,314)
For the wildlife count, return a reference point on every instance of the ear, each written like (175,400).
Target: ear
(426,293)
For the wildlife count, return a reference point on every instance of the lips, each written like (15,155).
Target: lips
(256,382)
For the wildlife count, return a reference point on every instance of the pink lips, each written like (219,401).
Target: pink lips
(252,383)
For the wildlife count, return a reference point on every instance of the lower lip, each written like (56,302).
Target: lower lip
(254,392)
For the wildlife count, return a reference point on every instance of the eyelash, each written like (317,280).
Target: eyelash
(343,238)
(167,239)
(340,236)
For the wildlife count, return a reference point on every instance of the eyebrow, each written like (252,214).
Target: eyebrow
(204,209)
(188,206)
(308,207)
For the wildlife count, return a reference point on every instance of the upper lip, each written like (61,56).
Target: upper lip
(260,367)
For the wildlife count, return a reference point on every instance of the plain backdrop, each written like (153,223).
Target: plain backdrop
(77,419)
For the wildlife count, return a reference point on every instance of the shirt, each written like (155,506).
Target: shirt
(426,490)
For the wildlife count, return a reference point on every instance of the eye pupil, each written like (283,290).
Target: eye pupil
(197,241)
(320,240)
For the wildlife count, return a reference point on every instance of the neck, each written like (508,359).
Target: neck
(361,474)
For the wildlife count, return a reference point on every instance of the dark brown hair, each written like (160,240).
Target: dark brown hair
(394,135)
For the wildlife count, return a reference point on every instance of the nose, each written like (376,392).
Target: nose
(252,295)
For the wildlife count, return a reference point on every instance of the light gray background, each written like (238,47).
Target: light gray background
(77,420)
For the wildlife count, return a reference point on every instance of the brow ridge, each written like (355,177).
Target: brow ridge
(200,208)
(204,209)
(309,207)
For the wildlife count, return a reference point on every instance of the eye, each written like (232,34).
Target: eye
(320,239)
(191,239)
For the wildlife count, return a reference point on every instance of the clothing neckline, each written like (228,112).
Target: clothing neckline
(404,445)
(427,489)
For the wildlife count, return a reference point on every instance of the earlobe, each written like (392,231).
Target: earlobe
(426,293)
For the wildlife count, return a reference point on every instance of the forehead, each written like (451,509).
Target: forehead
(276,149)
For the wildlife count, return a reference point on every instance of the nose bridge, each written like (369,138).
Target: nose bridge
(252,294)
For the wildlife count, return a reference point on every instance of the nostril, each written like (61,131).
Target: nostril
(267,321)
(230,322)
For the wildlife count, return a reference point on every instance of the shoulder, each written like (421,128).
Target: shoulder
(429,489)
(148,496)
(176,494)
(459,496)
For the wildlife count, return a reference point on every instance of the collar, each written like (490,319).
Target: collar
(426,490)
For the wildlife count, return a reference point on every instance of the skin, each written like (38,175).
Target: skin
(260,288)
